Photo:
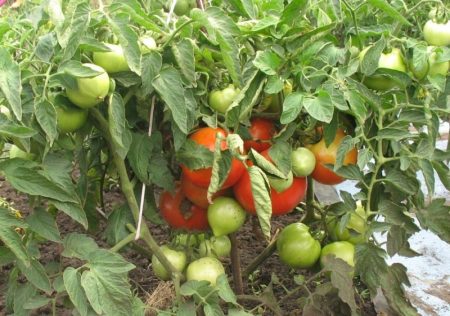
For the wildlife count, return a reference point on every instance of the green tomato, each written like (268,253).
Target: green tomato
(112,61)
(353,232)
(69,118)
(340,249)
(303,162)
(220,100)
(148,44)
(16,152)
(90,91)
(217,247)
(176,258)
(205,269)
(183,7)
(437,34)
(4,110)
(431,67)
(279,184)
(272,102)
(392,60)
(296,247)
(225,216)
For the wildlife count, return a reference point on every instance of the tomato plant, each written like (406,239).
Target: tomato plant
(327,155)
(206,137)
(151,113)
(180,213)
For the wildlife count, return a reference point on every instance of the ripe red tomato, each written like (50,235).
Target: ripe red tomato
(261,130)
(180,213)
(327,155)
(282,202)
(197,194)
(206,137)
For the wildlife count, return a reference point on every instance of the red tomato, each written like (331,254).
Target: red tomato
(282,202)
(261,130)
(180,213)
(206,136)
(327,155)
(197,194)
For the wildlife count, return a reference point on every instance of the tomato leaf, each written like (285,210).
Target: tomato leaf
(346,145)
(341,278)
(402,181)
(35,273)
(45,47)
(128,40)
(169,86)
(79,22)
(10,82)
(72,284)
(280,152)
(389,10)
(42,223)
(225,292)
(320,107)
(397,242)
(46,116)
(78,246)
(267,61)
(369,63)
(220,169)
(370,265)
(274,85)
(392,286)
(292,106)
(74,210)
(261,196)
(118,125)
(195,156)
(184,55)
(13,241)
(436,217)
(151,66)
(395,214)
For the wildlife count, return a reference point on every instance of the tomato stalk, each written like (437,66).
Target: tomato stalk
(266,253)
(123,243)
(309,200)
(352,13)
(127,189)
(236,265)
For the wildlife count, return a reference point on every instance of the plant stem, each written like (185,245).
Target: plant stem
(127,189)
(236,265)
(352,13)
(175,33)
(123,243)
(309,201)
(266,253)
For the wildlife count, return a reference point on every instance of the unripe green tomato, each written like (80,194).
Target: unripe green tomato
(16,152)
(225,216)
(176,258)
(437,34)
(90,91)
(220,100)
(113,61)
(303,162)
(205,269)
(217,247)
(4,110)
(431,67)
(296,247)
(183,7)
(279,184)
(392,60)
(148,44)
(69,118)
(340,249)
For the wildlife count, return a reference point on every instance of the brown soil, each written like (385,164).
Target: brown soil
(151,289)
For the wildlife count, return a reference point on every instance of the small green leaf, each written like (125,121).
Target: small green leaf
(436,217)
(320,107)
(369,63)
(261,197)
(184,55)
(72,283)
(10,82)
(74,210)
(384,6)
(35,273)
(292,106)
(36,302)
(225,291)
(79,22)
(42,223)
(118,125)
(106,260)
(46,116)
(195,156)
(267,61)
(402,181)
(78,246)
(370,265)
